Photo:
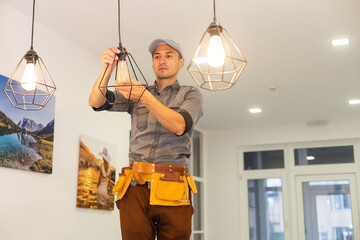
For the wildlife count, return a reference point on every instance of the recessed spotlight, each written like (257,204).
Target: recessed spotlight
(354,101)
(310,158)
(255,110)
(340,42)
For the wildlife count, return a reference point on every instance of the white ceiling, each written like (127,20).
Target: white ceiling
(287,44)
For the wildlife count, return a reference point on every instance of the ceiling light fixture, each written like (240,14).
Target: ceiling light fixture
(217,62)
(255,110)
(354,101)
(126,71)
(36,86)
(340,42)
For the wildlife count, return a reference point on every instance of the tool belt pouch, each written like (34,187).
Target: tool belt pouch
(169,189)
(123,183)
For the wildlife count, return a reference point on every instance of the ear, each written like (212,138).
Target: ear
(182,61)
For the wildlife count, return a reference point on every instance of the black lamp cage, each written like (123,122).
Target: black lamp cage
(216,77)
(133,72)
(33,95)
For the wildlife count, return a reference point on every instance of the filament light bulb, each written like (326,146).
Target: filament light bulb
(216,53)
(28,81)
(122,72)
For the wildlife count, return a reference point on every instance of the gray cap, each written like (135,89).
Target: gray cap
(169,42)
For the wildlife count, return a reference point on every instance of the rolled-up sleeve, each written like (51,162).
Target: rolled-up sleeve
(115,101)
(192,107)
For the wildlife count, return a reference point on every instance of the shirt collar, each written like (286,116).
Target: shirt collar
(175,85)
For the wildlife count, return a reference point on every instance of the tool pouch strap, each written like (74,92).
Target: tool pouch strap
(123,182)
(191,183)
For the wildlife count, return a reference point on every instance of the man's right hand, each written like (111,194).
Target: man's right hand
(109,56)
(97,95)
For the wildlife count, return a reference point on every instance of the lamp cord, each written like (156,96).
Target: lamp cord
(32,30)
(119,23)
(214,12)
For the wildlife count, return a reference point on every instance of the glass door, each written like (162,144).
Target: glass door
(327,207)
(265,203)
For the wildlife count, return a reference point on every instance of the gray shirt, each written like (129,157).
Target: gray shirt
(149,140)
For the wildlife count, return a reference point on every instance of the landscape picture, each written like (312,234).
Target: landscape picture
(96,175)
(26,137)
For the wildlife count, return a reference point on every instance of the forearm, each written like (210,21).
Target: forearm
(97,95)
(169,118)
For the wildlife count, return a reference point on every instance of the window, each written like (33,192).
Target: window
(196,168)
(324,155)
(340,202)
(264,159)
(324,207)
(265,209)
(323,236)
(343,233)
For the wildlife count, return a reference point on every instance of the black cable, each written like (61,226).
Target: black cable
(32,31)
(119,22)
(214,12)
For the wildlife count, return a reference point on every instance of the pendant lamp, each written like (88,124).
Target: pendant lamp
(126,70)
(217,62)
(30,86)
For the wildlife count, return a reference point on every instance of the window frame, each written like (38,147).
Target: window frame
(288,175)
(202,182)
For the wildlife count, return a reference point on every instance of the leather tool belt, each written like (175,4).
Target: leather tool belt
(170,183)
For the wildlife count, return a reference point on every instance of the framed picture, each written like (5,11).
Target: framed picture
(26,137)
(96,175)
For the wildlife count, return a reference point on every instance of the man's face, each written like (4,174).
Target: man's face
(166,62)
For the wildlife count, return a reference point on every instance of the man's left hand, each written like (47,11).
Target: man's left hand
(130,89)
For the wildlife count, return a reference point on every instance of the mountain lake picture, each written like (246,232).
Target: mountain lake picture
(26,137)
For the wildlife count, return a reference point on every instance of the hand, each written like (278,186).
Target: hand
(109,56)
(130,89)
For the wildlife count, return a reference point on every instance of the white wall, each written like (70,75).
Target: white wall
(42,206)
(221,157)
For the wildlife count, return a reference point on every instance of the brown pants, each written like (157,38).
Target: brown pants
(141,221)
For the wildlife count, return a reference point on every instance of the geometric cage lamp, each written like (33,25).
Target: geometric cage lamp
(127,73)
(30,86)
(217,62)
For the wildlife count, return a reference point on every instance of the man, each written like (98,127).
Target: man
(158,201)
